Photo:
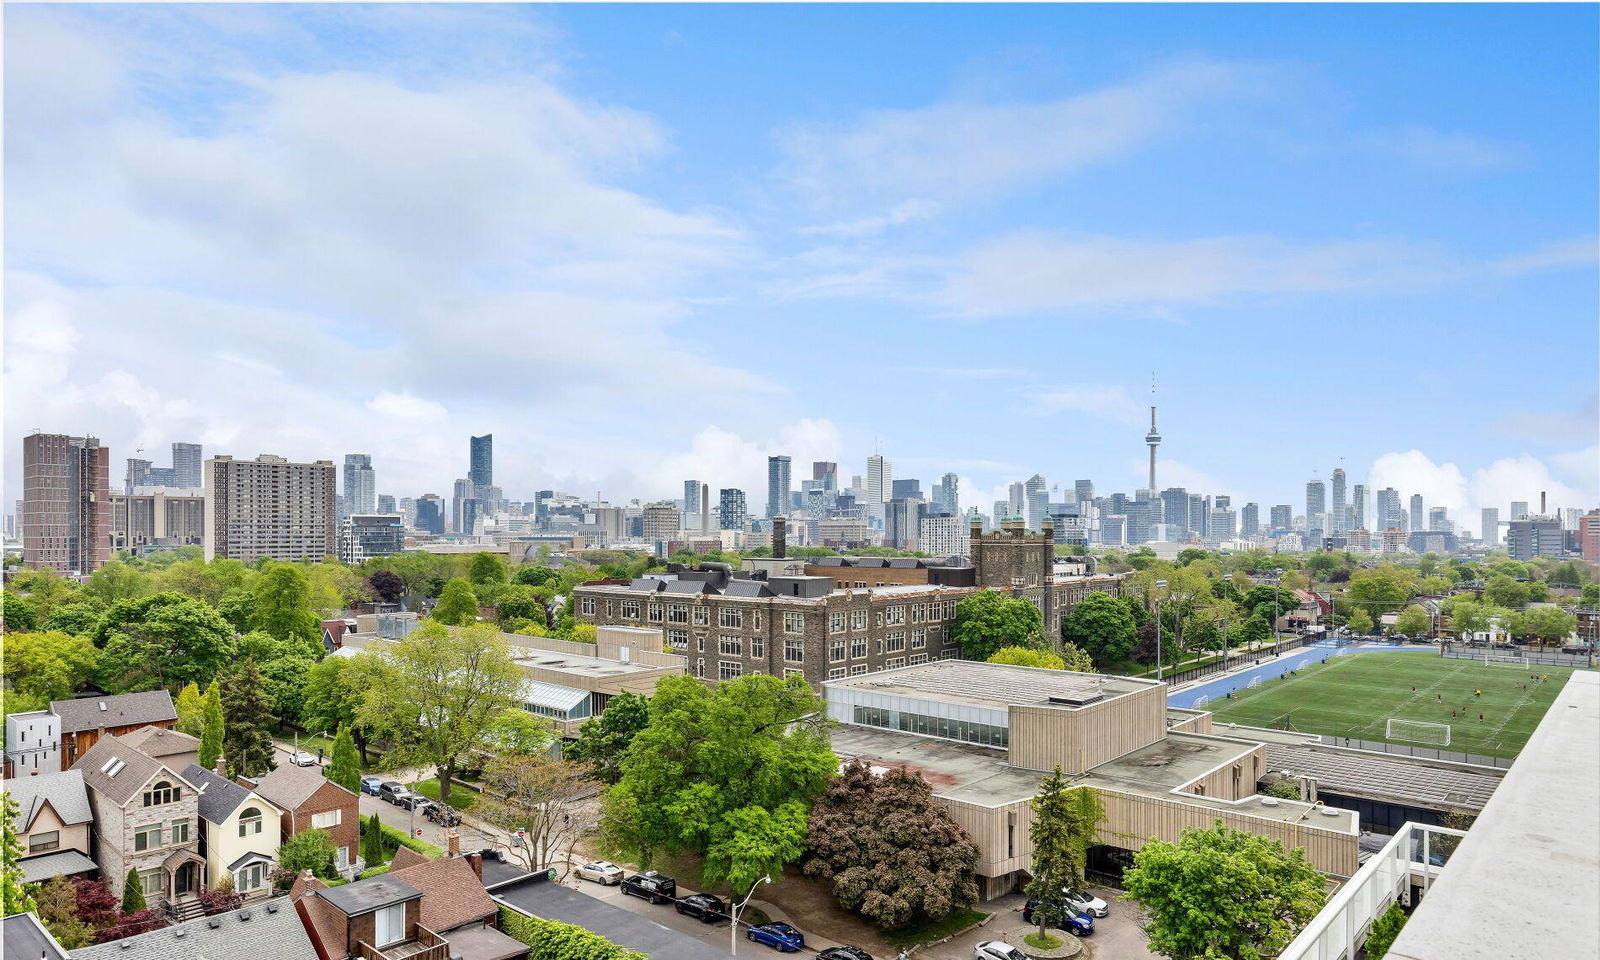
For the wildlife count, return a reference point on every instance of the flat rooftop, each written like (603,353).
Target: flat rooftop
(575,663)
(1538,836)
(1171,762)
(1358,773)
(991,684)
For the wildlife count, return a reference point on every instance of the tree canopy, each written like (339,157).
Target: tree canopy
(1102,626)
(247,710)
(603,740)
(990,619)
(163,640)
(458,605)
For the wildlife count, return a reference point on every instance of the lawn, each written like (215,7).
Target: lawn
(1354,695)
(461,797)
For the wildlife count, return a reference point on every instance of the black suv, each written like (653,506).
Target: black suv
(651,886)
(703,906)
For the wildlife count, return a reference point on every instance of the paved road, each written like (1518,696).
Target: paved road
(1116,936)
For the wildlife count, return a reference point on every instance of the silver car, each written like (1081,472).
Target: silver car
(602,872)
(997,950)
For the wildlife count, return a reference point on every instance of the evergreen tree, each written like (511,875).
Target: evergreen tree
(372,842)
(15,895)
(211,727)
(247,709)
(345,768)
(132,893)
(1063,828)
(458,605)
(191,710)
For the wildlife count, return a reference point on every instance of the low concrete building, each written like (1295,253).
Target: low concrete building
(33,743)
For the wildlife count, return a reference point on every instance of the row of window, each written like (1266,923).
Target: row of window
(947,728)
(148,837)
(698,615)
(729,669)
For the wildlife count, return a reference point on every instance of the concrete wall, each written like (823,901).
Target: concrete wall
(1076,739)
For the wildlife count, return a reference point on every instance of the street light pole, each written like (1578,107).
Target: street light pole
(1277,577)
(1160,585)
(733,929)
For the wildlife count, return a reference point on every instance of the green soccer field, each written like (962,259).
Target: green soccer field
(1354,695)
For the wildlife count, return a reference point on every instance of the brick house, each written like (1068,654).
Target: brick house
(147,819)
(85,720)
(309,800)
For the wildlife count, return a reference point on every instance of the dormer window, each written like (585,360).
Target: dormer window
(250,822)
(162,792)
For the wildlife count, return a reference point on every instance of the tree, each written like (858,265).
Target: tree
(439,695)
(213,728)
(1189,555)
(132,893)
(15,895)
(535,576)
(118,581)
(1222,893)
(220,898)
(1028,657)
(165,639)
(345,767)
(521,603)
(17,612)
(247,710)
(372,841)
(1546,624)
(486,568)
(1413,621)
(1502,591)
(546,797)
(516,731)
(893,854)
(386,585)
(1590,596)
(238,607)
(81,618)
(1065,819)
(285,668)
(334,690)
(712,764)
(97,905)
(1381,935)
(58,911)
(1359,623)
(603,740)
(309,850)
(1102,627)
(49,666)
(1381,590)
(989,619)
(282,599)
(191,710)
(458,605)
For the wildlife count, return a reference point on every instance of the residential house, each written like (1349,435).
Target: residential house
(309,800)
(420,910)
(240,831)
(85,720)
(54,825)
(145,817)
(260,931)
(176,750)
(33,743)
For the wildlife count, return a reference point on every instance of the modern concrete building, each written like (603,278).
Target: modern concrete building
(1490,520)
(661,522)
(1419,515)
(270,508)
(480,465)
(733,511)
(364,535)
(66,503)
(1532,537)
(778,486)
(145,522)
(944,535)
(1589,536)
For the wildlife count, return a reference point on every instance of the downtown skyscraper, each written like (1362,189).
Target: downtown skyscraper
(360,484)
(778,486)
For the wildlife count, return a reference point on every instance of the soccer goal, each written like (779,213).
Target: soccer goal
(1254,682)
(1418,731)
(1516,658)
(1200,702)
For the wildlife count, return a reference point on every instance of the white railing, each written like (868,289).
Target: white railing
(1413,858)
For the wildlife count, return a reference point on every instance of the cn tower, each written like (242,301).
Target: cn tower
(1153,438)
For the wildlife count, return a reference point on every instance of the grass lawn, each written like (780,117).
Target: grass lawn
(1354,695)
(936,930)
(462,798)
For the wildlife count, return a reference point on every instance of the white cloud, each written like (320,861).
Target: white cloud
(1464,492)
(406,406)
(1106,402)
(1556,255)
(723,458)
(909,211)
(1448,151)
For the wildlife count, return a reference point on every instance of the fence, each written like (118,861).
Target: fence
(1176,677)
(1424,753)
(1549,658)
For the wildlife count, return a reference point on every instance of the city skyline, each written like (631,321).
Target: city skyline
(1439,212)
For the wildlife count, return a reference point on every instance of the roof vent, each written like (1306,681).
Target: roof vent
(102,704)
(214,922)
(1077,699)
(125,944)
(272,908)
(1329,812)
(244,915)
(1269,801)
(180,933)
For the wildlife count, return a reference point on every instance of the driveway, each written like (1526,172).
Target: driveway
(1115,937)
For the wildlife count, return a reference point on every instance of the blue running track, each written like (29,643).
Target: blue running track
(1273,669)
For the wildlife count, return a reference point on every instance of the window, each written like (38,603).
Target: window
(700,669)
(794,651)
(586,606)
(678,639)
(630,609)
(794,623)
(758,647)
(180,831)
(40,842)
(917,658)
(655,613)
(154,887)
(836,622)
(147,838)
(894,663)
(919,639)
(895,614)
(701,615)
(344,858)
(730,646)
(858,620)
(836,673)
(162,792)
(326,819)
(836,650)
(858,670)
(250,822)
(389,927)
(894,641)
(791,672)
(677,613)
(755,619)
(730,618)
(858,647)
(728,669)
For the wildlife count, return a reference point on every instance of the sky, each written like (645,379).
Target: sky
(640,244)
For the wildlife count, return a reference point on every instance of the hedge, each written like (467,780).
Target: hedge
(554,940)
(394,837)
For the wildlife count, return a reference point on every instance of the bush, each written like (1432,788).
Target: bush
(374,871)
(393,837)
(553,940)
(1384,930)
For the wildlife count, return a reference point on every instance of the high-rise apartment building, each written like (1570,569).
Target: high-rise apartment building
(1083,490)
(693,492)
(778,486)
(1175,510)
(480,465)
(1534,537)
(1589,536)
(1419,516)
(183,474)
(1490,519)
(386,504)
(947,495)
(1358,506)
(732,509)
(903,523)
(1037,501)
(360,484)
(430,514)
(1250,520)
(1222,525)
(1439,520)
(825,472)
(1389,512)
(1519,509)
(365,535)
(1336,509)
(661,521)
(159,520)
(880,480)
(1316,500)
(1570,517)
(907,489)
(1282,519)
(466,508)
(270,508)
(944,535)
(187,466)
(66,503)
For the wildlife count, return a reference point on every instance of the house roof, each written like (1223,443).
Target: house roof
(452,893)
(26,939)
(484,943)
(219,797)
(325,922)
(364,896)
(405,857)
(63,790)
(289,786)
(62,863)
(270,930)
(117,771)
(122,710)
(159,742)
(536,897)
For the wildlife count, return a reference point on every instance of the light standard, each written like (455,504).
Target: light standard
(1160,586)
(1277,575)
(733,929)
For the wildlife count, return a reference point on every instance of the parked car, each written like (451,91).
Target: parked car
(412,801)
(1075,922)
(845,952)
(603,872)
(442,815)
(1084,902)
(651,886)
(778,936)
(390,789)
(704,907)
(301,758)
(996,950)
(371,785)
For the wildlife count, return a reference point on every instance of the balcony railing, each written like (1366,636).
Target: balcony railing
(1414,857)
(427,945)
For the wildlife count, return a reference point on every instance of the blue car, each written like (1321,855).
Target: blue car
(1077,924)
(779,936)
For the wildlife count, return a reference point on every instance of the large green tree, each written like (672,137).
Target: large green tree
(334,691)
(118,581)
(603,741)
(990,619)
(438,696)
(486,569)
(345,766)
(458,605)
(247,711)
(1502,591)
(213,726)
(892,852)
(309,850)
(727,773)
(1223,893)
(282,608)
(165,640)
(49,666)
(285,666)
(191,704)
(1065,819)
(15,895)
(1102,627)
(1359,623)
(1545,624)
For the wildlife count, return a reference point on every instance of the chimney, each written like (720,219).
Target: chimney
(475,859)
(780,541)
(453,846)
(222,767)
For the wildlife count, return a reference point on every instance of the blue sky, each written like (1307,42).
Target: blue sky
(644,243)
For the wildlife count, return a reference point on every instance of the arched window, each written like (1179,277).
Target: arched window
(162,792)
(250,821)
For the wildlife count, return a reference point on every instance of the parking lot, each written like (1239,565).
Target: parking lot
(1116,936)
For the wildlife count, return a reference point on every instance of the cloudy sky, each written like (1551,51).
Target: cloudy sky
(640,244)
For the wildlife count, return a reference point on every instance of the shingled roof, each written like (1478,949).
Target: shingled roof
(219,797)
(289,786)
(117,771)
(452,892)
(63,790)
(121,710)
(159,742)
